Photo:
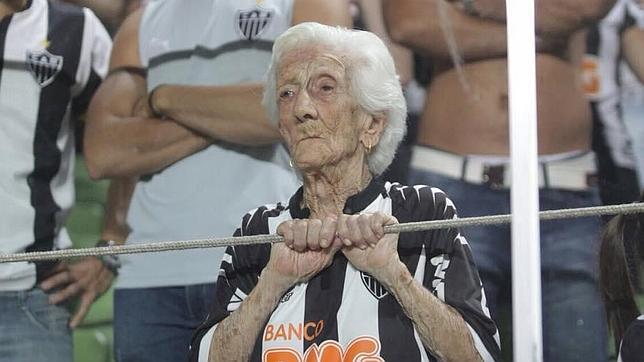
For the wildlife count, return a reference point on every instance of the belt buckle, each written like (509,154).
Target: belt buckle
(494,176)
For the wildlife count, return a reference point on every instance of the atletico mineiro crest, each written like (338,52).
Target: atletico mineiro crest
(373,286)
(251,23)
(44,66)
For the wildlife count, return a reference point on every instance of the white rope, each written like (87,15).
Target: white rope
(263,239)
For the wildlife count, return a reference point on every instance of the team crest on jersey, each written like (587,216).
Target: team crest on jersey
(373,286)
(286,297)
(44,66)
(251,23)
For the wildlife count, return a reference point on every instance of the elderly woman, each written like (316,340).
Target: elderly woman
(338,288)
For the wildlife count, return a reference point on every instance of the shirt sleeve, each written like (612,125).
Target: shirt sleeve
(94,62)
(238,275)
(452,276)
(634,13)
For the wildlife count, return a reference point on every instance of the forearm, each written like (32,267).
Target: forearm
(562,18)
(440,327)
(134,146)
(119,195)
(109,11)
(248,321)
(633,49)
(229,113)
(553,17)
(446,30)
(373,19)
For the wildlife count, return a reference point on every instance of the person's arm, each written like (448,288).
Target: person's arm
(121,138)
(633,50)
(119,195)
(329,12)
(244,299)
(433,27)
(109,11)
(231,113)
(553,17)
(441,328)
(446,302)
(371,12)
(234,113)
(248,320)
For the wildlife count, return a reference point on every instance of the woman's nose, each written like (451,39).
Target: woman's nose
(304,108)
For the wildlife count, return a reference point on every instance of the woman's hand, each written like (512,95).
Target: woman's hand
(308,248)
(366,246)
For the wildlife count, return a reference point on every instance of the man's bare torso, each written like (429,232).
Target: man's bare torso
(469,114)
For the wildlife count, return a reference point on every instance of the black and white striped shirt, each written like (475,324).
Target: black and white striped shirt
(53,58)
(343,311)
(602,79)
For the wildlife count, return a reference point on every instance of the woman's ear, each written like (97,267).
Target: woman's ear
(374,128)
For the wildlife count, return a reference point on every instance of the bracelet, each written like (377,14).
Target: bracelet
(111,262)
(468,6)
(154,111)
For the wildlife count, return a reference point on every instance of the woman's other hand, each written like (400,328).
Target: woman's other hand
(365,244)
(308,248)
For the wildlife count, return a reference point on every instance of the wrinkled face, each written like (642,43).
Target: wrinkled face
(319,119)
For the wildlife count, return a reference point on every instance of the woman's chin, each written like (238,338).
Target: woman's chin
(311,159)
(309,166)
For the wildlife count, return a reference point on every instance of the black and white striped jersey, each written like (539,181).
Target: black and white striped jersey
(345,312)
(602,80)
(53,58)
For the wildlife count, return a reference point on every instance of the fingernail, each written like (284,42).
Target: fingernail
(347,242)
(324,243)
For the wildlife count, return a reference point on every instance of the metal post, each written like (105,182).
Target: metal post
(526,255)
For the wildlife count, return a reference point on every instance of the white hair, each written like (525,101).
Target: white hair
(372,77)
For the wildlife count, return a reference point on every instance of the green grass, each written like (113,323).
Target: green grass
(93,339)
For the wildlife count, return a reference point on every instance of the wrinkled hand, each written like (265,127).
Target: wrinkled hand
(367,247)
(88,278)
(308,248)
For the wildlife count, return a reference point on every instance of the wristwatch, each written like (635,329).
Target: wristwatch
(111,262)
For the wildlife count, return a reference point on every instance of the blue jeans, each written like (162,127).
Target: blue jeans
(573,321)
(156,324)
(32,330)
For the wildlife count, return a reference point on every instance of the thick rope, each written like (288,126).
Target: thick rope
(263,239)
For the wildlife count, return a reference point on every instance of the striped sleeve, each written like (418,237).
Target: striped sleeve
(93,63)
(634,14)
(238,275)
(453,277)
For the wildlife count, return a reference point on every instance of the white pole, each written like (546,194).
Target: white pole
(526,255)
